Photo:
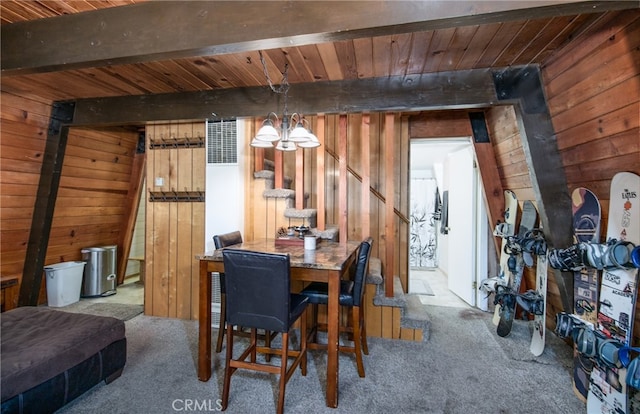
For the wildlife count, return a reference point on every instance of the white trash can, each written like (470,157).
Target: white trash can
(64,281)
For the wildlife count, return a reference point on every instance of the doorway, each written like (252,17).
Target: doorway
(132,289)
(448,239)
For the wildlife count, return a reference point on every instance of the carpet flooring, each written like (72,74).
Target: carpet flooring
(464,368)
(123,311)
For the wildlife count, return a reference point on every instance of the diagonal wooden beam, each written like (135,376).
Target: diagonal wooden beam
(523,87)
(162,30)
(50,172)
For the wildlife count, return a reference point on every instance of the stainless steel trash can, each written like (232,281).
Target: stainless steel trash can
(99,277)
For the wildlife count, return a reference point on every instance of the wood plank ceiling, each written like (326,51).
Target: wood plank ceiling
(99,58)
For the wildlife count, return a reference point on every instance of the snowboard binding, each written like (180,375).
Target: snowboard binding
(491,284)
(531,302)
(567,260)
(566,324)
(613,254)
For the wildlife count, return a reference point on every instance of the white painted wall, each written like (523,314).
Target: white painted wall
(224,200)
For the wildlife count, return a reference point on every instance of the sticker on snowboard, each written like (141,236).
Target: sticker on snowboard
(586,229)
(608,390)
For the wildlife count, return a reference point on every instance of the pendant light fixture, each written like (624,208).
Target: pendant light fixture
(289,131)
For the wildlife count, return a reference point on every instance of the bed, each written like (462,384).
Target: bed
(49,357)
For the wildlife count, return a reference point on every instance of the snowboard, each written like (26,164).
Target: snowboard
(508,310)
(607,385)
(510,215)
(538,337)
(586,229)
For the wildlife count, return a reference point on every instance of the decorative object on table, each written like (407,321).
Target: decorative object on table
(302,230)
(309,242)
(294,241)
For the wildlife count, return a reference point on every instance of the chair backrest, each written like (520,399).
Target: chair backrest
(227,239)
(258,289)
(360,275)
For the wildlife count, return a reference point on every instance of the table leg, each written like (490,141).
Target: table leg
(204,323)
(333,329)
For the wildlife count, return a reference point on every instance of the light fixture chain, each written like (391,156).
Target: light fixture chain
(284,86)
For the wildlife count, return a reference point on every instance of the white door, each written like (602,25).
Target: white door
(461,184)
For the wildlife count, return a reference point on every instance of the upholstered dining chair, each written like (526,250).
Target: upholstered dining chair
(259,296)
(220,241)
(351,297)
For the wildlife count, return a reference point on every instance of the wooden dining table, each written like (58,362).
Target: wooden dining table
(329,262)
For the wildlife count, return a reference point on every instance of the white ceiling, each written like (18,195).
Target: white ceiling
(427,152)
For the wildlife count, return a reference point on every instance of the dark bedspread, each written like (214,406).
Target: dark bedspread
(39,343)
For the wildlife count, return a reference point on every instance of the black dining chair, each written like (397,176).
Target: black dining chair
(220,241)
(351,297)
(259,297)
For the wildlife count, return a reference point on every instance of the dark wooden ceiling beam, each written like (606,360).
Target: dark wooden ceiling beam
(165,30)
(443,90)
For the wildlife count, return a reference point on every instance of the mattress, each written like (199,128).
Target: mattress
(40,343)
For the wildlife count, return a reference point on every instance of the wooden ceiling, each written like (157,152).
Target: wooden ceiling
(67,50)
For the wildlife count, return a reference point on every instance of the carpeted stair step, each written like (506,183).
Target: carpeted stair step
(374,276)
(269,176)
(413,313)
(331,232)
(308,215)
(415,316)
(398,300)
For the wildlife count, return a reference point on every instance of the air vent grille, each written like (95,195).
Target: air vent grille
(222,141)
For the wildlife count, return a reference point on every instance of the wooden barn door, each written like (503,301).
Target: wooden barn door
(175,218)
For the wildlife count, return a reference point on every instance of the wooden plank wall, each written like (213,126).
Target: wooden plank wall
(93,196)
(22,142)
(593,93)
(362,131)
(174,230)
(94,184)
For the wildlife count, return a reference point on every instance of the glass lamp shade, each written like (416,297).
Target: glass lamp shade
(286,146)
(267,132)
(261,144)
(312,141)
(299,134)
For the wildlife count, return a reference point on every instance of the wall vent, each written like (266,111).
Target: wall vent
(222,142)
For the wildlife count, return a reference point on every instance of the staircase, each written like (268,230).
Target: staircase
(413,314)
(412,317)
